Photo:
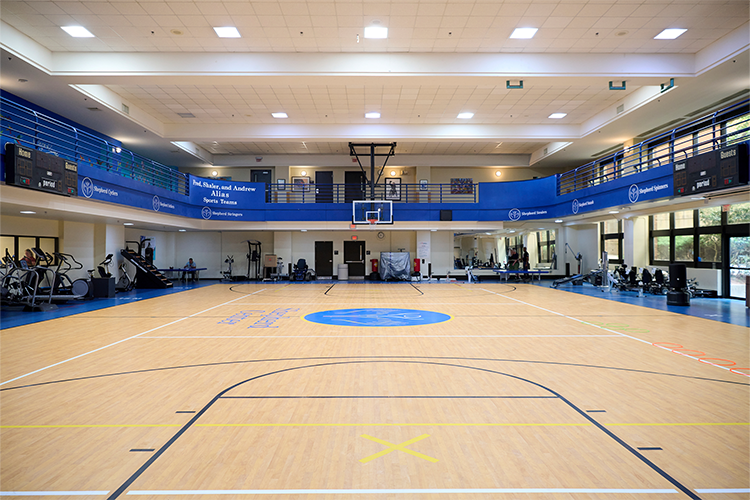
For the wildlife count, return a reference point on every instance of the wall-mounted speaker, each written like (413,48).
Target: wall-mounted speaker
(446,215)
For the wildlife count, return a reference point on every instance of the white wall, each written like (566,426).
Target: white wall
(28,226)
(77,239)
(583,239)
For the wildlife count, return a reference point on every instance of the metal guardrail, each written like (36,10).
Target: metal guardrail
(715,131)
(346,193)
(36,130)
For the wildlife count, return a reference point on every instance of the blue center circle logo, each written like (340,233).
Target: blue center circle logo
(206,213)
(377,317)
(514,214)
(633,193)
(575,206)
(155,203)
(87,187)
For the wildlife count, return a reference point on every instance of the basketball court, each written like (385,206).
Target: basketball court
(374,390)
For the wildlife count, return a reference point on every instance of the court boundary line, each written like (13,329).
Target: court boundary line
(371,336)
(310,358)
(618,333)
(124,340)
(403,491)
(655,468)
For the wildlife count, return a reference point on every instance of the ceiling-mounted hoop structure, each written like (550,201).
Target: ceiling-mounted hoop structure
(372,182)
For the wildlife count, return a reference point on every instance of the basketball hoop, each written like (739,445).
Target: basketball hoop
(372,222)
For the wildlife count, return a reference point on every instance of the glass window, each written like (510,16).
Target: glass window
(611,227)
(661,248)
(737,129)
(7,244)
(739,265)
(709,248)
(683,219)
(709,217)
(612,247)
(683,248)
(661,221)
(739,213)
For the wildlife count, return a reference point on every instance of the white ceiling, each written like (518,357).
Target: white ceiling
(442,57)
(604,26)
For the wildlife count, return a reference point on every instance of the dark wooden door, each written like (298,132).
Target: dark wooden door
(324,188)
(354,255)
(262,176)
(355,187)
(324,258)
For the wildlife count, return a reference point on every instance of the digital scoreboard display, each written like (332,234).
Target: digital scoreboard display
(33,169)
(712,171)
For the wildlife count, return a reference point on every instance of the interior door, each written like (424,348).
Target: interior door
(323,187)
(324,258)
(264,176)
(354,255)
(355,188)
(739,266)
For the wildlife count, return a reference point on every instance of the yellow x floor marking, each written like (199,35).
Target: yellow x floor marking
(394,447)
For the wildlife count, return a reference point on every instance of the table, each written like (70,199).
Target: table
(185,270)
(532,272)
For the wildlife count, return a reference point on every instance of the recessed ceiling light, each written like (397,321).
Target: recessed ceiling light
(376,32)
(227,32)
(511,231)
(699,198)
(393,173)
(303,173)
(465,116)
(78,31)
(27,212)
(498,173)
(433,230)
(558,220)
(279,115)
(558,115)
(614,212)
(303,230)
(127,224)
(524,33)
(373,114)
(182,230)
(670,34)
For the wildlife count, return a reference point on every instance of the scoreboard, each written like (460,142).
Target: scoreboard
(712,171)
(34,169)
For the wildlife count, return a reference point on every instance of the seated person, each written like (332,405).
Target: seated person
(28,260)
(190,264)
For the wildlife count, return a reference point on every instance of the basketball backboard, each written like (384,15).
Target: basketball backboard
(366,211)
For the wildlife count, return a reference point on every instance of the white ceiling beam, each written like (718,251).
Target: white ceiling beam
(357,132)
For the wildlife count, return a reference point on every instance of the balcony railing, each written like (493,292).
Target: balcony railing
(33,129)
(398,193)
(715,131)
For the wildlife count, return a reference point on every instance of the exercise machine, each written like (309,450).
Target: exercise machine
(253,260)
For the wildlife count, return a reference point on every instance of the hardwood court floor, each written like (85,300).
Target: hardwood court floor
(230,392)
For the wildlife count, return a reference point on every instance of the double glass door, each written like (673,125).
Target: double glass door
(739,265)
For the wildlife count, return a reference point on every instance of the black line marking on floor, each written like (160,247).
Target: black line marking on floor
(417,289)
(650,448)
(601,427)
(143,449)
(596,411)
(329,289)
(389,397)
(184,411)
(500,360)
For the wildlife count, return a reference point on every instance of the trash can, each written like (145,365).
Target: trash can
(343,272)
